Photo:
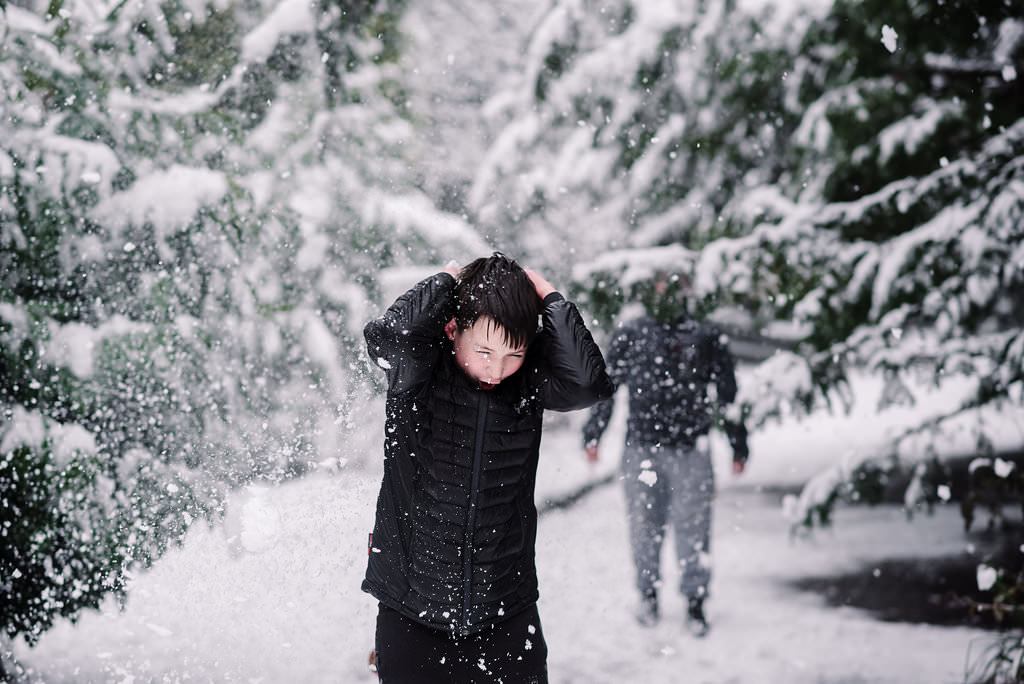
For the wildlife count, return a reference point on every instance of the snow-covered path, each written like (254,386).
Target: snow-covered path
(762,631)
(272,596)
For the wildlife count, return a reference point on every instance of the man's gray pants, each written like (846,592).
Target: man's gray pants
(669,486)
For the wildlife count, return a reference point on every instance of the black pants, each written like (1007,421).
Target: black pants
(511,652)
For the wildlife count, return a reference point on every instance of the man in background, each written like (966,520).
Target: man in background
(680,376)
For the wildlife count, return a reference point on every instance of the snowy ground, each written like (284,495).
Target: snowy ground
(271,594)
(292,612)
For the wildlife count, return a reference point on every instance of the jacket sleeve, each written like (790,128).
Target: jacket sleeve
(618,370)
(574,372)
(723,372)
(736,432)
(406,340)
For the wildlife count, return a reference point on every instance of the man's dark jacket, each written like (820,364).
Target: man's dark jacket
(669,368)
(453,542)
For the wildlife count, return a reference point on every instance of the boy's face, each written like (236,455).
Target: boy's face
(482,352)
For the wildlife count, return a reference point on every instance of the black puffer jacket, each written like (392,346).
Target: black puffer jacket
(669,368)
(453,541)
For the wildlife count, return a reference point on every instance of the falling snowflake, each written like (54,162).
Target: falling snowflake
(648,477)
(987,576)
(1003,468)
(889,38)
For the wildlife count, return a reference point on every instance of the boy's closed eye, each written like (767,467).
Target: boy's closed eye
(511,355)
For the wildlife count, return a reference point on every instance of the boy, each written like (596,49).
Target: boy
(452,552)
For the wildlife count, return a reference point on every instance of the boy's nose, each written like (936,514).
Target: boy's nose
(494,373)
(504,370)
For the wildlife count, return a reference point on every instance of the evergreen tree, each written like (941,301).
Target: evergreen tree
(196,204)
(636,122)
(849,171)
(893,239)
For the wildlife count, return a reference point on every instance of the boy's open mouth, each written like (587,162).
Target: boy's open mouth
(487,385)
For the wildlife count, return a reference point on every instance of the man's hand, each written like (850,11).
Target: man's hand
(591,450)
(543,287)
(737,467)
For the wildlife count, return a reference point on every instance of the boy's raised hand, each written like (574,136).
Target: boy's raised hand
(543,287)
(452,269)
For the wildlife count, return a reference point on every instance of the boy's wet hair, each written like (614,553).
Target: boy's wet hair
(498,287)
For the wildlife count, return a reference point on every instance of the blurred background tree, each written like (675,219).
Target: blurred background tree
(842,177)
(844,180)
(197,202)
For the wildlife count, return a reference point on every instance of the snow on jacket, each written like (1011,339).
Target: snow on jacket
(669,368)
(453,541)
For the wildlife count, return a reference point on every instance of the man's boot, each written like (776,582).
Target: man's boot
(647,611)
(696,623)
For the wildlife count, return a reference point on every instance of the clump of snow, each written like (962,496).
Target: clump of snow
(899,251)
(1009,42)
(31,429)
(70,441)
(168,200)
(287,18)
(76,162)
(73,345)
(908,133)
(634,266)
(319,345)
(25,428)
(252,522)
(17,319)
(889,38)
(987,576)
(414,214)
(770,389)
(1001,467)
(648,477)
(915,494)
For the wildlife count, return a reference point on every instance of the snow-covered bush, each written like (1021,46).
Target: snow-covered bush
(1002,659)
(59,552)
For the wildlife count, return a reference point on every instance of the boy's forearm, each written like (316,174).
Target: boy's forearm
(426,307)
(421,312)
(579,376)
(405,338)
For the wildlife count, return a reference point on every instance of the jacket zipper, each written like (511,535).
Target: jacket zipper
(478,450)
